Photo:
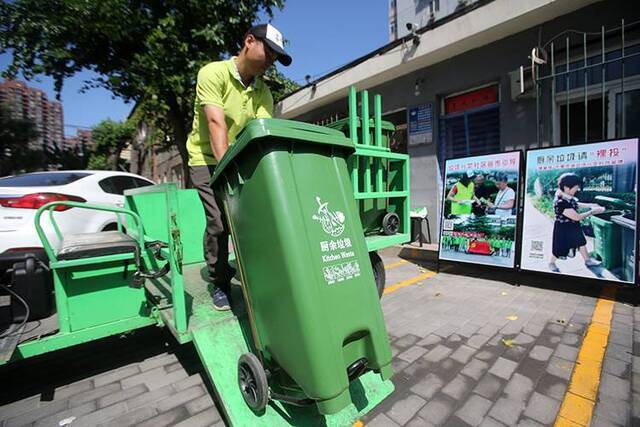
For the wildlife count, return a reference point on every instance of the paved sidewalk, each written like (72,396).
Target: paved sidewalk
(471,350)
(468,350)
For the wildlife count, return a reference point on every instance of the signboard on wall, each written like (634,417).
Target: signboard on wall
(421,124)
(580,210)
(479,211)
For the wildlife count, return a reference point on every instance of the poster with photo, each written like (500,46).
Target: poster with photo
(479,210)
(580,210)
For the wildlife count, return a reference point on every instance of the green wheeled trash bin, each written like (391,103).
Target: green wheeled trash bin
(627,225)
(314,315)
(607,239)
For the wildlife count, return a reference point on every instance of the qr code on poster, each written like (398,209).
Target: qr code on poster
(447,225)
(537,246)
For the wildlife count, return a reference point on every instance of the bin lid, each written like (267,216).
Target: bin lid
(624,222)
(620,204)
(282,129)
(343,125)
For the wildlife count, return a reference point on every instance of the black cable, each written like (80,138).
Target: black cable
(27,313)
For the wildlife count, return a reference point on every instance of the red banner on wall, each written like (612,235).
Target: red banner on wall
(474,99)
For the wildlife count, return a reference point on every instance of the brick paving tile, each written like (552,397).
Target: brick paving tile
(403,410)
(474,410)
(489,386)
(438,409)
(503,368)
(203,419)
(458,387)
(507,410)
(542,408)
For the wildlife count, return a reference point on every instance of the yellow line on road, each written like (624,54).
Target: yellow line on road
(409,282)
(580,398)
(395,264)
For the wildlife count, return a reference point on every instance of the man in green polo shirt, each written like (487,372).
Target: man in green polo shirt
(229,94)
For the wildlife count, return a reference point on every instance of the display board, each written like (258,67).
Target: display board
(580,210)
(479,210)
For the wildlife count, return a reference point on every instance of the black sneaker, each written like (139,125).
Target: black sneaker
(220,300)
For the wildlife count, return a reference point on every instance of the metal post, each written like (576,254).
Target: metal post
(353,134)
(377,120)
(586,108)
(566,92)
(177,283)
(623,130)
(353,115)
(364,117)
(377,117)
(602,85)
(553,94)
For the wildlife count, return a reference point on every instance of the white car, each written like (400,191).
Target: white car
(22,195)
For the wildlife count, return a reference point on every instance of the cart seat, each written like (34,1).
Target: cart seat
(87,245)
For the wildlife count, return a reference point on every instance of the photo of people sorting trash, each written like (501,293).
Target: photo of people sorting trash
(579,211)
(480,209)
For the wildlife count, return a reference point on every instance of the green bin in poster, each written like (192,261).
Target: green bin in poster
(580,210)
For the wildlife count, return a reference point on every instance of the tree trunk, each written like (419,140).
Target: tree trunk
(180,133)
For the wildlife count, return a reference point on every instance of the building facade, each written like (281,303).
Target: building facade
(405,15)
(471,74)
(30,103)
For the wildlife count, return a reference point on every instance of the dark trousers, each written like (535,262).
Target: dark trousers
(216,232)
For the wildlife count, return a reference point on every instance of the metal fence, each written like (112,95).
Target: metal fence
(587,85)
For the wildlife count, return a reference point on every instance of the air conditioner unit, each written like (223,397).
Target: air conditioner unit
(522,86)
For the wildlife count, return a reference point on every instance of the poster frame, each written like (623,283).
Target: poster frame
(591,280)
(517,236)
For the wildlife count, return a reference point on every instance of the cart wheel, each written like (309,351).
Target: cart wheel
(390,223)
(378,272)
(253,382)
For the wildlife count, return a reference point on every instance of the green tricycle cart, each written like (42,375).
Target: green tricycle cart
(305,342)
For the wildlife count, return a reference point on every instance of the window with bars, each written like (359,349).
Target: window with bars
(471,124)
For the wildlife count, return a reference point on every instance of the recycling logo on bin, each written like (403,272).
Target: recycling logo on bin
(333,224)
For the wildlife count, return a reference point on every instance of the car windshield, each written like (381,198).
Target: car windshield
(42,179)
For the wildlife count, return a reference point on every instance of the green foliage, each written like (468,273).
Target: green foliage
(98,162)
(549,178)
(110,139)
(545,205)
(147,52)
(280,85)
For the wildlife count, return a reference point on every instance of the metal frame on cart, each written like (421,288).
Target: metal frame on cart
(380,160)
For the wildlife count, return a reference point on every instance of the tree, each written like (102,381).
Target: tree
(15,136)
(110,139)
(146,51)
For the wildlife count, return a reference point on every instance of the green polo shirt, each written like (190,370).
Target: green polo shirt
(219,84)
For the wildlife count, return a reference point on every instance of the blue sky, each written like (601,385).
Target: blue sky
(322,36)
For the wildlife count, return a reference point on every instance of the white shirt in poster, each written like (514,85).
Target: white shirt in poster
(502,198)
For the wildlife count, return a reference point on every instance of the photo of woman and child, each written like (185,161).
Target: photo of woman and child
(568,237)
(579,210)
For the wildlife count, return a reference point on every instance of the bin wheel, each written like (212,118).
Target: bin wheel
(252,380)
(378,272)
(390,223)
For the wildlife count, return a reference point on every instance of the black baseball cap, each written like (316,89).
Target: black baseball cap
(272,37)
